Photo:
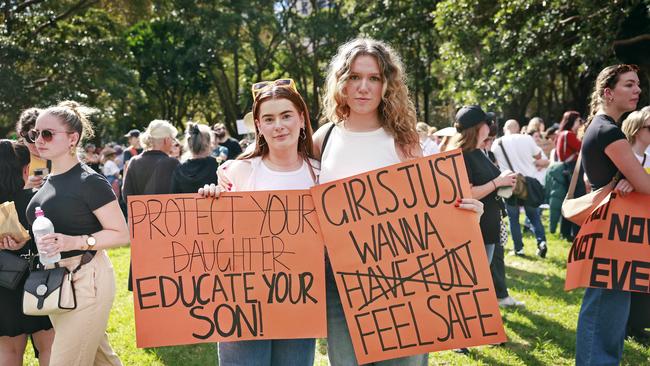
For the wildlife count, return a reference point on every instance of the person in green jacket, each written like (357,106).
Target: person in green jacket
(556,186)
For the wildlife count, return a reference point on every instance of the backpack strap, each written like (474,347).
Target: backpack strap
(327,137)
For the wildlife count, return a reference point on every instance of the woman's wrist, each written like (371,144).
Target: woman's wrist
(80,242)
(494,184)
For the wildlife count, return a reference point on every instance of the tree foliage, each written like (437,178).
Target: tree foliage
(185,60)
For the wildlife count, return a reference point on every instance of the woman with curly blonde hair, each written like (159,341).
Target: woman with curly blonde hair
(369,124)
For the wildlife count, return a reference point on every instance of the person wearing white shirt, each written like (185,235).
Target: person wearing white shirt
(525,158)
(428,146)
(636,128)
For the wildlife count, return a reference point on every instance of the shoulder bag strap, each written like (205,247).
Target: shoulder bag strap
(574,179)
(327,137)
(506,155)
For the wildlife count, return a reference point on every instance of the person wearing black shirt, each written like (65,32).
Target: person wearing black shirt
(201,168)
(151,171)
(87,220)
(473,126)
(14,325)
(234,150)
(605,151)
(134,147)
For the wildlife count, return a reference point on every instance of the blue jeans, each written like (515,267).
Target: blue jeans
(280,352)
(339,344)
(489,250)
(601,327)
(533,215)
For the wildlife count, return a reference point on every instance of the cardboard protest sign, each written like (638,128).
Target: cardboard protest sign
(612,249)
(411,269)
(248,265)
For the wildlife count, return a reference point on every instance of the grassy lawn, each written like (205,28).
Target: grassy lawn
(543,333)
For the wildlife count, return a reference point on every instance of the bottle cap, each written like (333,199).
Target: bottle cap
(39,212)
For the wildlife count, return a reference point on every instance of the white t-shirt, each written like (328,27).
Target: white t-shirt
(267,179)
(645,161)
(521,150)
(429,147)
(110,168)
(350,153)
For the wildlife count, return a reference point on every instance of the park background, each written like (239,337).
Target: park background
(182,60)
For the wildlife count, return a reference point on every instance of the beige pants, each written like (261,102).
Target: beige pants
(81,338)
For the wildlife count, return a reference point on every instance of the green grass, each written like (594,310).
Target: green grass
(543,333)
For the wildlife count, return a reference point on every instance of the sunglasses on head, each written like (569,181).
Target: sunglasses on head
(47,135)
(257,88)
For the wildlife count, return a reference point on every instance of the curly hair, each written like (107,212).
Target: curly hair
(27,121)
(396,110)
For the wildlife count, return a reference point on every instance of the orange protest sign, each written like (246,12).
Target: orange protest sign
(248,265)
(612,249)
(411,269)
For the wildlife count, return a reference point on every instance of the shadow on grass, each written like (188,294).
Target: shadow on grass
(190,355)
(541,330)
(546,285)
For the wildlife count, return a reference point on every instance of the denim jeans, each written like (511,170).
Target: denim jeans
(498,272)
(533,215)
(489,250)
(601,327)
(280,352)
(339,344)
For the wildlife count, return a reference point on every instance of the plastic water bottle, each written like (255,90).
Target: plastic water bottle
(42,226)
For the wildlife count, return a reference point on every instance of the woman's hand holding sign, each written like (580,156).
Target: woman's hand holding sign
(211,190)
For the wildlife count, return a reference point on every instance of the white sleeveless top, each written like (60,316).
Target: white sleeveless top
(266,179)
(349,153)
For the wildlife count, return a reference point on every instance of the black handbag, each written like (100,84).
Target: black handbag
(48,292)
(529,191)
(12,269)
(51,291)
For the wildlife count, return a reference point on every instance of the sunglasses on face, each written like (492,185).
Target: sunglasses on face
(47,135)
(257,88)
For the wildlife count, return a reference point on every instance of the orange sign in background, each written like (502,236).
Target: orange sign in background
(247,265)
(410,268)
(612,249)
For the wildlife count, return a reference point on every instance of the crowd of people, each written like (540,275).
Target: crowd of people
(368,122)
